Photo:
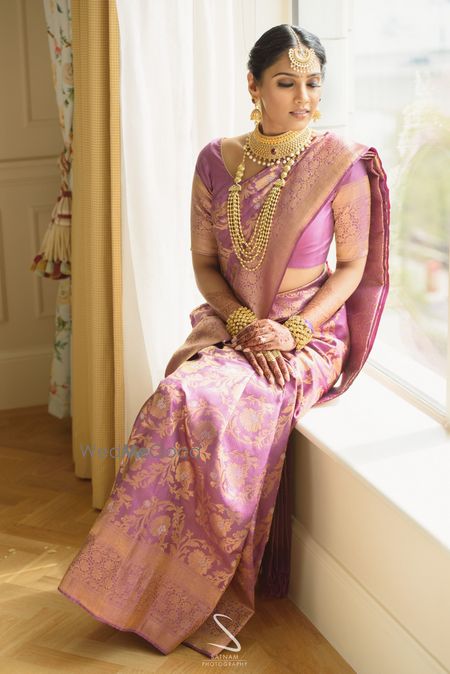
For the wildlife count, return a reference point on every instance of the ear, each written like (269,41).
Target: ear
(252,87)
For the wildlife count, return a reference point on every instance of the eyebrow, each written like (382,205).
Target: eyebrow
(292,75)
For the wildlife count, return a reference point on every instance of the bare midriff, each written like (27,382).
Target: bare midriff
(232,150)
(297,277)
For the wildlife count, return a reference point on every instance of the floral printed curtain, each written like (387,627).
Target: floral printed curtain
(53,258)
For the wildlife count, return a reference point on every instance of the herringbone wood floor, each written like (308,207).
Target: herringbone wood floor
(45,516)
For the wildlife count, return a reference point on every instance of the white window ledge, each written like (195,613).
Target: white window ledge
(399,450)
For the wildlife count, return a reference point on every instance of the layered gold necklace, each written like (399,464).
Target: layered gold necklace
(267,151)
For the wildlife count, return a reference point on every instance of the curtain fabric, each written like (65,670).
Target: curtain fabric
(183,82)
(53,259)
(133,279)
(97,360)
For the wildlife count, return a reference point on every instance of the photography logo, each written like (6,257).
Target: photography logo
(230,660)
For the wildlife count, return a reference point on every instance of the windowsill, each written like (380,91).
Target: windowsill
(397,449)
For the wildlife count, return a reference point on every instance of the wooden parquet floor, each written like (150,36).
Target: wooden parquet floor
(44,518)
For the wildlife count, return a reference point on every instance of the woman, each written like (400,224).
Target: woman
(183,533)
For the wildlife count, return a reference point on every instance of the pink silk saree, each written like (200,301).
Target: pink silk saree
(200,511)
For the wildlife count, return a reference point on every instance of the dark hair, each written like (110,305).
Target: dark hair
(269,47)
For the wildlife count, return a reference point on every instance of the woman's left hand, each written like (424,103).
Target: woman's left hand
(263,335)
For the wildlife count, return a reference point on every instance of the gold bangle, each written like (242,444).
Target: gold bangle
(239,319)
(300,331)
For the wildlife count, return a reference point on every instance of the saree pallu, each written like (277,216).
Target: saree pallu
(184,529)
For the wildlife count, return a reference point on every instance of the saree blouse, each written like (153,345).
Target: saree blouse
(345,213)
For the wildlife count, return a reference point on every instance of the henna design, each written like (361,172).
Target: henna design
(332,295)
(273,370)
(276,336)
(222,301)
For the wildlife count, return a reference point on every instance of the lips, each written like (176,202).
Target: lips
(299,112)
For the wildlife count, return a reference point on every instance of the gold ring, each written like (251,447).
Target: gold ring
(270,356)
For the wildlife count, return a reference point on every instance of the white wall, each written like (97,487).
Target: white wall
(30,142)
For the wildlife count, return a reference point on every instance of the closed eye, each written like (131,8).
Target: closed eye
(291,84)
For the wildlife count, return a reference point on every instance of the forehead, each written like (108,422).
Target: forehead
(283,64)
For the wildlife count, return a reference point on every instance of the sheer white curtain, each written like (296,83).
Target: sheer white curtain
(183,83)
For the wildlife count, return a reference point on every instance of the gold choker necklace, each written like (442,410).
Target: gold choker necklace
(270,150)
(267,150)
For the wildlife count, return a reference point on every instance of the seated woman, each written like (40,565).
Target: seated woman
(191,525)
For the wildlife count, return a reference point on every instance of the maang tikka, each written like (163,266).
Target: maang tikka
(303,59)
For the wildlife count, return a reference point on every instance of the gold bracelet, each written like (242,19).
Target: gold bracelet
(238,319)
(300,331)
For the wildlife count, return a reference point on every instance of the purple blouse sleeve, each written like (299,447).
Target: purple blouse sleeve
(351,211)
(203,240)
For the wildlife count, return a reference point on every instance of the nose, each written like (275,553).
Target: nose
(301,94)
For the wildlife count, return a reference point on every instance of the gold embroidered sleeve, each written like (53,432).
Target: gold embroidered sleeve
(203,239)
(351,210)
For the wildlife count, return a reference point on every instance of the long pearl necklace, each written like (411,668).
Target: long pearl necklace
(265,150)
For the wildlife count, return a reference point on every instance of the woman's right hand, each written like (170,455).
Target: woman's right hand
(273,370)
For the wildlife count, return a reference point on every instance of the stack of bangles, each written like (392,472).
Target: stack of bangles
(300,328)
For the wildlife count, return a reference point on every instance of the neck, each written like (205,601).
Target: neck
(260,130)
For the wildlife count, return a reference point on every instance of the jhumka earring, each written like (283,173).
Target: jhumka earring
(256,114)
(316,115)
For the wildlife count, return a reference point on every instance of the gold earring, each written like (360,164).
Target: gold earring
(316,115)
(256,114)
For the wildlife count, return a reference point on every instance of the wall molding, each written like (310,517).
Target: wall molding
(356,624)
(24,377)
(28,171)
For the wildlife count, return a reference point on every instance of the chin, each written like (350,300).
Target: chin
(299,124)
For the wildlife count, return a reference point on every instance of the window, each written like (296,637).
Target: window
(401,65)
